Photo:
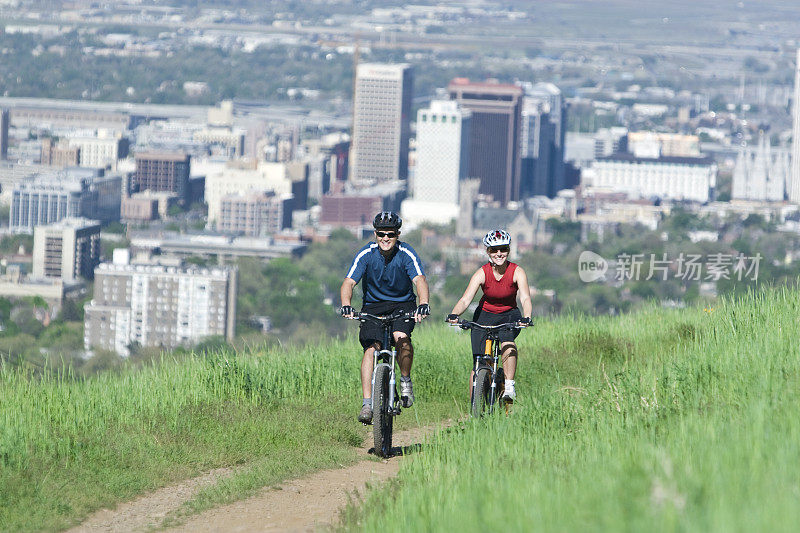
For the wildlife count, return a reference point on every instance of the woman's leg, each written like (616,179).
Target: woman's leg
(508,353)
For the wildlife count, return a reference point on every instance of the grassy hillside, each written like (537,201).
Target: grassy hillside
(70,445)
(678,421)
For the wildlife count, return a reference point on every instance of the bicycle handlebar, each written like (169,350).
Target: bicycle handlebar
(380,318)
(466,324)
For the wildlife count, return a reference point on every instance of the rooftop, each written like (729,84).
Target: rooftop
(699,161)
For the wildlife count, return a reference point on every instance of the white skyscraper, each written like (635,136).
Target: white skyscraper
(443,133)
(381,123)
(794,190)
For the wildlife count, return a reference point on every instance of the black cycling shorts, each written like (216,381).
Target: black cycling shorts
(485,318)
(372,332)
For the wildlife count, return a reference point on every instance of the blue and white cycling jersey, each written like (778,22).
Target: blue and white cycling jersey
(386,280)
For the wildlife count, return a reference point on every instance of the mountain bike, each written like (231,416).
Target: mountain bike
(488,378)
(385,400)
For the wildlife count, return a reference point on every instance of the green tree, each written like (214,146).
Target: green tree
(27,322)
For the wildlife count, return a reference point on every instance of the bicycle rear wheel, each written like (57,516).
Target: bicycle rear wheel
(381,418)
(481,392)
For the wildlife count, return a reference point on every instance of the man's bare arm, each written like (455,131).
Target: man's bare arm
(346,294)
(421,284)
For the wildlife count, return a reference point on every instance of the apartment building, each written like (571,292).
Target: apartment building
(158,305)
(280,178)
(101,150)
(254,214)
(59,154)
(66,250)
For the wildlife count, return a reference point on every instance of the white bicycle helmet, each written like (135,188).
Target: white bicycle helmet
(497,237)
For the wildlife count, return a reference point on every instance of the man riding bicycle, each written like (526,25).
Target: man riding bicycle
(390,270)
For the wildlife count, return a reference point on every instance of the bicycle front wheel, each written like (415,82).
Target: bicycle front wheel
(481,392)
(381,418)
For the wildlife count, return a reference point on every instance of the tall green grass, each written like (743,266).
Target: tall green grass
(70,445)
(659,421)
(679,420)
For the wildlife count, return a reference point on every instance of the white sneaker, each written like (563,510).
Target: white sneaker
(509,394)
(406,393)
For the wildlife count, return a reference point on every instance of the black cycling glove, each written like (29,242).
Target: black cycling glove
(525,321)
(423,310)
(451,317)
(346,310)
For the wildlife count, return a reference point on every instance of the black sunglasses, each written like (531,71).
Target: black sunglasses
(495,249)
(382,234)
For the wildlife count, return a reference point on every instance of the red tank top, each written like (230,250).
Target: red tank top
(499,296)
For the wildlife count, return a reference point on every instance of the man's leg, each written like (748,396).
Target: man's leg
(365,415)
(366,370)
(405,352)
(405,357)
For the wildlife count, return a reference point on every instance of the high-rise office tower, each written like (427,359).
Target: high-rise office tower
(494,150)
(163,171)
(543,132)
(794,190)
(442,151)
(4,120)
(538,140)
(443,134)
(381,123)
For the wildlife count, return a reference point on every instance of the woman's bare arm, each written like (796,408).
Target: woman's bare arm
(474,284)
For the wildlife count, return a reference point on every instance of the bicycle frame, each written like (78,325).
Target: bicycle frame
(490,358)
(386,356)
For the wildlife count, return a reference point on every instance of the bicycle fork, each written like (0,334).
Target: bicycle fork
(391,355)
(490,353)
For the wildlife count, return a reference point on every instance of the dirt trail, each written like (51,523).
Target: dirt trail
(304,504)
(147,512)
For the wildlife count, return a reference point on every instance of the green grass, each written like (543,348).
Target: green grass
(69,445)
(659,421)
(662,420)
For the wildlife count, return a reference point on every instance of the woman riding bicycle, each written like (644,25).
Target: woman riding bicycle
(501,281)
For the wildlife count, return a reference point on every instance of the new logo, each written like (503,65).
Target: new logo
(591,267)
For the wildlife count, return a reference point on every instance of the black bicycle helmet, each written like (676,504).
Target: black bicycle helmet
(387,220)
